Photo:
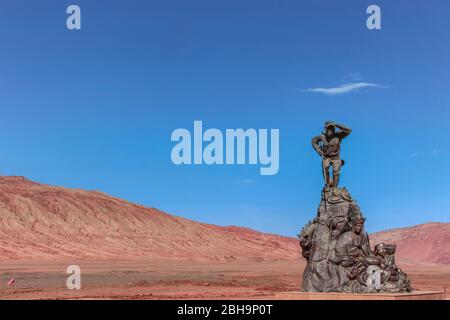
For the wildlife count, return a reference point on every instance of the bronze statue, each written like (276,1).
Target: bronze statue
(335,244)
(328,146)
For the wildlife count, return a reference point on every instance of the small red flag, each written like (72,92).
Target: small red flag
(12,281)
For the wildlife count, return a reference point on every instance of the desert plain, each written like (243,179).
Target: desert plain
(150,279)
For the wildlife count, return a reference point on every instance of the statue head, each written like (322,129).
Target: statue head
(329,128)
(358,225)
(383,249)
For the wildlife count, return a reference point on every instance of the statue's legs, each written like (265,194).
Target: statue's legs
(337,164)
(326,164)
(335,180)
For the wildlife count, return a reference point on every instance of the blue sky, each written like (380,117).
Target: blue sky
(95,108)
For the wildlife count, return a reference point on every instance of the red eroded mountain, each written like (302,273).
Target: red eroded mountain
(39,221)
(43,222)
(428,242)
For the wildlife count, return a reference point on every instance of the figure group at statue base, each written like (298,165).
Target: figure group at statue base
(335,244)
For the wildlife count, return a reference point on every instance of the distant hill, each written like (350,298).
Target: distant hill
(38,221)
(43,222)
(428,242)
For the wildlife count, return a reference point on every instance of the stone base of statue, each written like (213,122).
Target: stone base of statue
(414,295)
(338,253)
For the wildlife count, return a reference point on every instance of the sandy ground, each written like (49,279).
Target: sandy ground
(150,279)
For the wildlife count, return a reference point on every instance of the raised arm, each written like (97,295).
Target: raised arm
(344,131)
(315,144)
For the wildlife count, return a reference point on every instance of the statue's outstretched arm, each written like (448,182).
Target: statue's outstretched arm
(344,131)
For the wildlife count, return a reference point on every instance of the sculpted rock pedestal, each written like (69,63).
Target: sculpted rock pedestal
(338,253)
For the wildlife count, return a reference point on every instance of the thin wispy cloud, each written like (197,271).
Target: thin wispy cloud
(344,88)
(413,155)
